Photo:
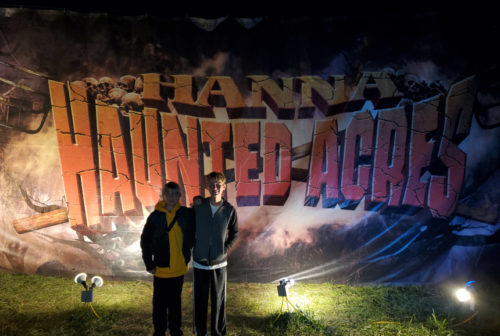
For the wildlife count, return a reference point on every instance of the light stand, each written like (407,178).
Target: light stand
(88,294)
(283,293)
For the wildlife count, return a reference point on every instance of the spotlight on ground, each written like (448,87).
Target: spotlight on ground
(465,294)
(283,293)
(81,278)
(88,294)
(284,285)
(96,281)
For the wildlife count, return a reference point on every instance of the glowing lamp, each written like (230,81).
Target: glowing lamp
(88,294)
(463,295)
(81,278)
(96,281)
(466,294)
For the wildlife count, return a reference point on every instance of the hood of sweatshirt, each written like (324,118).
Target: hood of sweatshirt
(160,206)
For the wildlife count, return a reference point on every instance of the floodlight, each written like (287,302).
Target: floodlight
(96,281)
(88,294)
(284,285)
(81,278)
(466,294)
(463,295)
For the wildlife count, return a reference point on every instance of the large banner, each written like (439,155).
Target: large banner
(368,154)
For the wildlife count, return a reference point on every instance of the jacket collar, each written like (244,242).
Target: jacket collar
(160,206)
(207,200)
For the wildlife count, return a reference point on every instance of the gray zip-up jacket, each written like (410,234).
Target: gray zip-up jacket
(214,236)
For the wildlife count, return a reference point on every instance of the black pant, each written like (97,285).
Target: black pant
(167,305)
(215,282)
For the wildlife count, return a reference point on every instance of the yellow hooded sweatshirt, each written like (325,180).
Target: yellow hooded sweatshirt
(178,265)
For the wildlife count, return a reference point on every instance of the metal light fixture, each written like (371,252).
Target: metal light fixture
(465,294)
(284,285)
(88,294)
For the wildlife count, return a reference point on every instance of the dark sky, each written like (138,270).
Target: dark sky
(210,9)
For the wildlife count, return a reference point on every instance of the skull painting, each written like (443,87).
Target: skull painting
(131,101)
(115,95)
(105,84)
(91,86)
(127,83)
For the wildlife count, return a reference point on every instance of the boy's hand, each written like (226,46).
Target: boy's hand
(152,271)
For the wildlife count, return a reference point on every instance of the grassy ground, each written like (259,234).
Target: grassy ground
(37,305)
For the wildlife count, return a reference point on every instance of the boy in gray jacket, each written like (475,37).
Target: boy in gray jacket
(216,232)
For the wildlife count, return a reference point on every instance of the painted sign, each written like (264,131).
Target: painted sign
(337,173)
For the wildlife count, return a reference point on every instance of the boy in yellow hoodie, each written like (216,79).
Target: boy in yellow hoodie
(166,243)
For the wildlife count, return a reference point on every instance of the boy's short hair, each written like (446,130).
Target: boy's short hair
(219,177)
(171,186)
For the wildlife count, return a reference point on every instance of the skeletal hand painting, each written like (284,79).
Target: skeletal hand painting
(345,162)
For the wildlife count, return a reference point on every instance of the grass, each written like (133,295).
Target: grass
(37,305)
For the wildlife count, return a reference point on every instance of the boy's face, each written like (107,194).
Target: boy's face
(216,188)
(171,197)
